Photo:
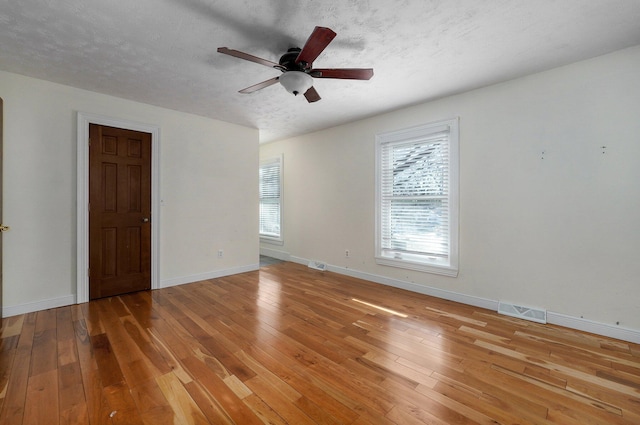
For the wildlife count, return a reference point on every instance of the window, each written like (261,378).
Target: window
(271,200)
(417,198)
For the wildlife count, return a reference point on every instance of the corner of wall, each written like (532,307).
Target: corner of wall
(274,253)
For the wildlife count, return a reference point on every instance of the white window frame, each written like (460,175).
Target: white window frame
(276,240)
(448,265)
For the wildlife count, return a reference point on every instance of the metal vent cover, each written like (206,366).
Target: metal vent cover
(317,265)
(527,313)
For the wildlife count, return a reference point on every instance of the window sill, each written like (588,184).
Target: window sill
(434,268)
(272,241)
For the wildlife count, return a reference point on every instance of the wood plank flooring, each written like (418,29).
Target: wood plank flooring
(291,345)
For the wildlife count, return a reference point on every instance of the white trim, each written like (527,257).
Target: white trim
(272,241)
(450,265)
(559,319)
(276,240)
(209,275)
(419,288)
(553,318)
(14,310)
(84,119)
(598,328)
(434,268)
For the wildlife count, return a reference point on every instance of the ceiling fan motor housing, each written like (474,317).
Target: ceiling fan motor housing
(288,60)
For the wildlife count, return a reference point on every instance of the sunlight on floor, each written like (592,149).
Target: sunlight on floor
(386,310)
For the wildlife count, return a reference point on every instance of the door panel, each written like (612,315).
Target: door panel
(120,211)
(1,158)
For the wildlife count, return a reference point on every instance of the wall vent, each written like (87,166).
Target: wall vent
(528,313)
(318,265)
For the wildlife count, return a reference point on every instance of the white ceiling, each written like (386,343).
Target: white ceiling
(163,52)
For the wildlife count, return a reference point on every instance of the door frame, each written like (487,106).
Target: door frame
(84,119)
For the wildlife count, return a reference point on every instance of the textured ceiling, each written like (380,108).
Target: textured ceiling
(163,52)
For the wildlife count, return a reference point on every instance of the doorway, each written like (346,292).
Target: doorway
(84,267)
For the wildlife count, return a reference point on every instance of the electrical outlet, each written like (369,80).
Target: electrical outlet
(346,252)
(220,253)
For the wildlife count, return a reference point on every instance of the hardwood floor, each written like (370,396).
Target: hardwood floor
(292,345)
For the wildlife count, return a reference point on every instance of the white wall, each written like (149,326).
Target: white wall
(560,233)
(208,173)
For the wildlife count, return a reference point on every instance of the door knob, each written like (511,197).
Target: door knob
(4,228)
(145,220)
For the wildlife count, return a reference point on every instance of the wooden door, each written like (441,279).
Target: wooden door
(1,225)
(119,211)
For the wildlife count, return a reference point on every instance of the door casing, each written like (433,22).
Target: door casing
(84,119)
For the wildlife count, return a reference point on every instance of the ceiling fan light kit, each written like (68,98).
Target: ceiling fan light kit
(297,66)
(296,82)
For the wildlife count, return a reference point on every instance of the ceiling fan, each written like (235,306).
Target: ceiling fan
(297,66)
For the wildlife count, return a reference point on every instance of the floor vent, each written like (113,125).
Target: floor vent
(318,265)
(528,313)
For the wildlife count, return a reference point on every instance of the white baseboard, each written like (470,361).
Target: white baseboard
(604,329)
(577,323)
(421,289)
(14,310)
(209,275)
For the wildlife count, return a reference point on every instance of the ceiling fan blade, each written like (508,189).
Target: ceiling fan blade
(317,42)
(247,56)
(343,73)
(312,95)
(261,85)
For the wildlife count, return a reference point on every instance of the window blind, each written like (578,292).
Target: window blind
(270,205)
(415,197)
